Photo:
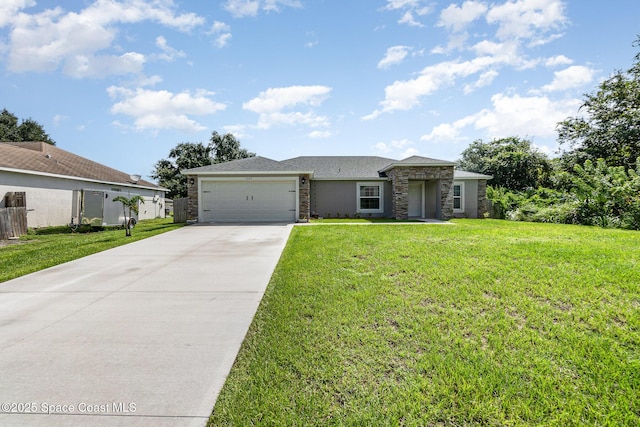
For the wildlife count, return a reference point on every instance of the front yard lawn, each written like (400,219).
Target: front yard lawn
(483,323)
(47,247)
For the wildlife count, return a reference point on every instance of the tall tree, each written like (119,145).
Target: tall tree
(513,162)
(609,127)
(186,155)
(226,148)
(189,155)
(27,130)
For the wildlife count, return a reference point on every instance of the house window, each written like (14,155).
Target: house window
(458,197)
(370,197)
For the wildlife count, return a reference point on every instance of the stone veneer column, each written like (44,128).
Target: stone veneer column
(304,193)
(400,177)
(482,198)
(400,189)
(446,193)
(192,201)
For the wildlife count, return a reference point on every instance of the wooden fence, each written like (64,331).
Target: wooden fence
(13,215)
(180,210)
(13,222)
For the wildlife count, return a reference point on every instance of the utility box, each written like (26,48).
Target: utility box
(97,208)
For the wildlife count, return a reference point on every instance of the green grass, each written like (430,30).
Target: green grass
(358,220)
(486,322)
(51,246)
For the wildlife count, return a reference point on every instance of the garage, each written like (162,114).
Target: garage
(248,200)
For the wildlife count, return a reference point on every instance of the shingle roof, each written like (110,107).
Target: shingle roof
(325,167)
(460,174)
(341,167)
(250,164)
(46,158)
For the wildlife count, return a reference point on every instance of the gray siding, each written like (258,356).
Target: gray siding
(330,198)
(471,198)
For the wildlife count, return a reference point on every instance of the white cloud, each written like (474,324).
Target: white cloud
(405,95)
(154,110)
(381,147)
(527,19)
(518,115)
(271,106)
(222,33)
(46,40)
(457,18)
(485,79)
(558,60)
(319,134)
(239,131)
(169,53)
(570,78)
(395,55)
(402,147)
(81,66)
(242,8)
(444,132)
(59,118)
(533,116)
(9,8)
(409,9)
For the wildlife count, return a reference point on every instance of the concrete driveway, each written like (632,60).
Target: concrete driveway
(140,335)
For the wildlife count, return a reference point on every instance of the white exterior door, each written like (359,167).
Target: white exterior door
(248,201)
(415,199)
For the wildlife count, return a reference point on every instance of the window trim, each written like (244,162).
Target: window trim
(461,185)
(380,185)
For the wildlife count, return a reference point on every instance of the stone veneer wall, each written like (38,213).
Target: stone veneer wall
(192,194)
(400,176)
(304,192)
(482,197)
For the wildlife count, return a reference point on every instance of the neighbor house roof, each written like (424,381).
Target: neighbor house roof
(325,167)
(45,159)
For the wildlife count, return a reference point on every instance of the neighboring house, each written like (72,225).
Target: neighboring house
(261,189)
(49,175)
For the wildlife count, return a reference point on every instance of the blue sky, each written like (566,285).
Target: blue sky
(122,82)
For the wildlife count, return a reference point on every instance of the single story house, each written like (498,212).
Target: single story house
(49,175)
(261,189)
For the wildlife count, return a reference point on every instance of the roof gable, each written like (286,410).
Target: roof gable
(41,157)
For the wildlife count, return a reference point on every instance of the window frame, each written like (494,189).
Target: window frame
(380,196)
(461,196)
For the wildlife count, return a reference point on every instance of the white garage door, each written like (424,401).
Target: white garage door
(241,201)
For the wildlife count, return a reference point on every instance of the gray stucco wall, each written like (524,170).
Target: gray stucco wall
(330,198)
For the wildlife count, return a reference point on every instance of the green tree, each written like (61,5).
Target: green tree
(186,155)
(513,162)
(27,130)
(9,127)
(609,126)
(30,130)
(132,205)
(189,155)
(609,196)
(226,148)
